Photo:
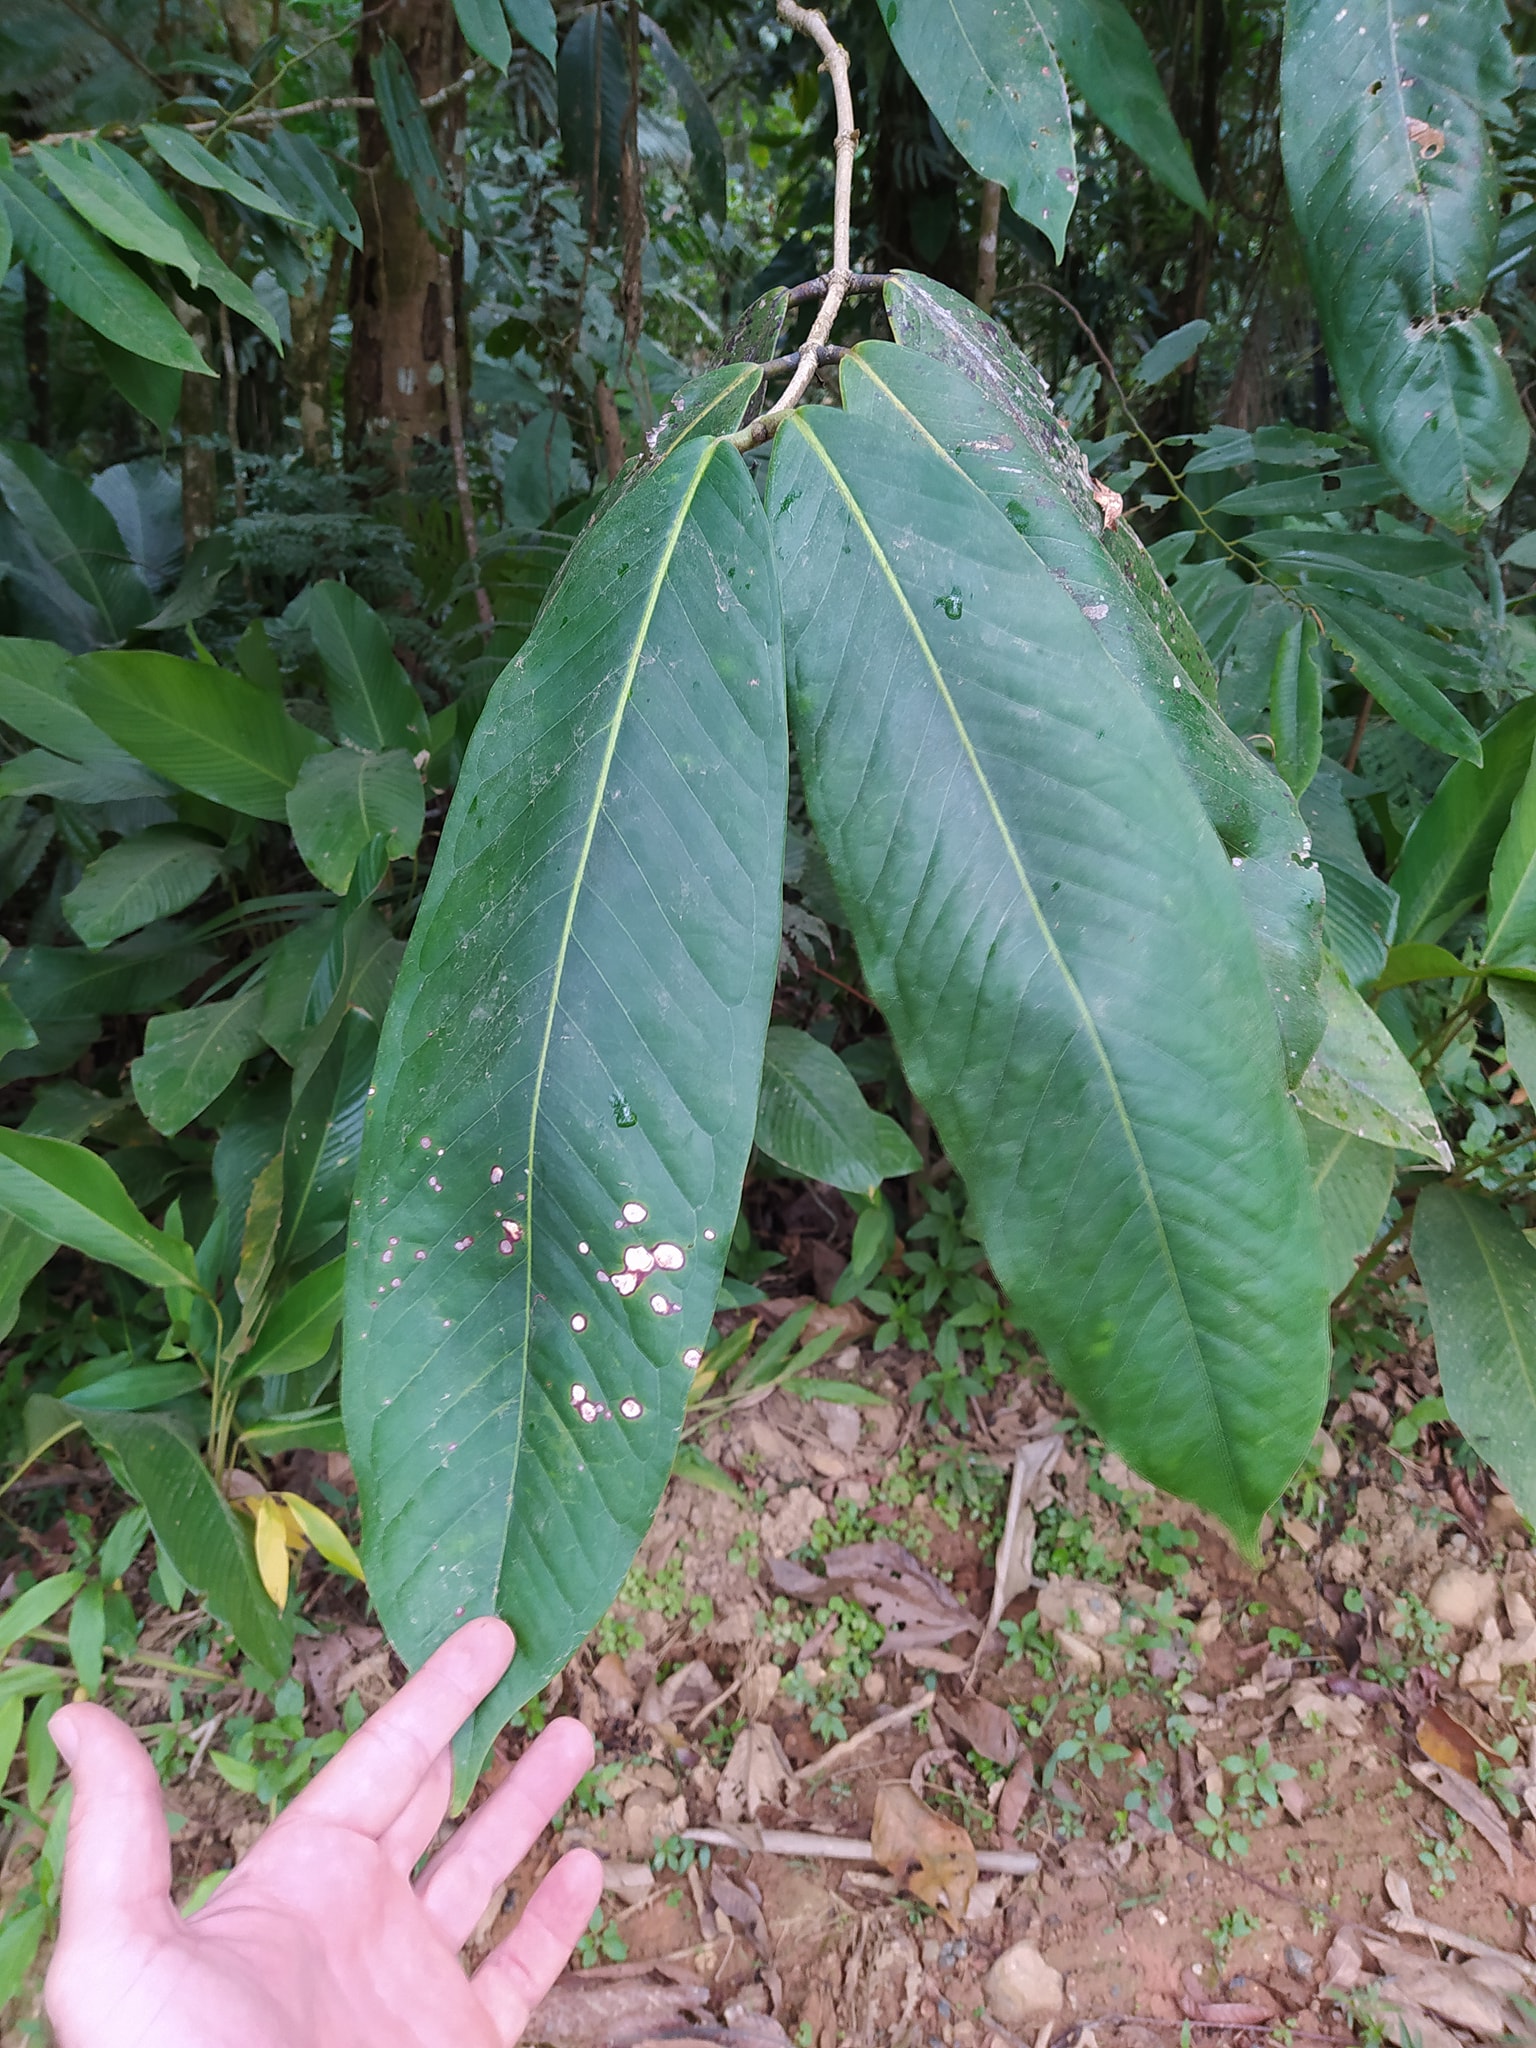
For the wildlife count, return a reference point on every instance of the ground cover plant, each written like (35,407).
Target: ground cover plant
(603,619)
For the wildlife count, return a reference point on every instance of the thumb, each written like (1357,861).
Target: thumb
(117,1859)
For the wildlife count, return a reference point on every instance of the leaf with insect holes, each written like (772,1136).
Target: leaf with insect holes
(1394,186)
(567,1084)
(1035,895)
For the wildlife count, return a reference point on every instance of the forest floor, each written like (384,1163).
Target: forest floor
(1287,1803)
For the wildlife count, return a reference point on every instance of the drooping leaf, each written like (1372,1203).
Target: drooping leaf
(35,700)
(704,142)
(484,27)
(1170,352)
(369,693)
(191,1056)
(1301,497)
(1449,849)
(1479,1276)
(195,1528)
(536,476)
(812,1118)
(1394,188)
(76,533)
(1517,1008)
(136,974)
(573,1050)
(323,1139)
(1511,941)
(213,272)
(300,1326)
(23,1254)
(410,140)
(302,172)
(1360,1082)
(79,268)
(994,418)
(592,90)
(154,874)
(1296,705)
(144,499)
(1418,962)
(1352,1180)
(87,177)
(203,728)
(150,388)
(120,780)
(67,1193)
(199,166)
(991,79)
(1105,56)
(343,800)
(978,776)
(534,21)
(1359,921)
(1397,664)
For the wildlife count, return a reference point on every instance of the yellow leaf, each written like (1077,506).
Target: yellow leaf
(330,1541)
(272,1550)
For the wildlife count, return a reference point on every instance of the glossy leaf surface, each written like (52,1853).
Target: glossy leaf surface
(1399,231)
(1106,59)
(1352,1180)
(534,21)
(91,183)
(990,76)
(1444,865)
(812,1118)
(1056,938)
(67,1193)
(300,1327)
(199,166)
(1479,1275)
(1511,940)
(205,729)
(1359,1080)
(369,693)
(573,1051)
(195,1528)
(154,874)
(987,408)
(1296,705)
(191,1056)
(77,536)
(344,800)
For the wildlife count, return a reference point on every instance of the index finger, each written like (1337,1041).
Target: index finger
(368,1784)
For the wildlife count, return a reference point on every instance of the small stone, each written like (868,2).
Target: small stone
(1503,1520)
(1461,1598)
(1087,1609)
(1022,1990)
(1299,1963)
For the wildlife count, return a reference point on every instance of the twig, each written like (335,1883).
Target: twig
(254,117)
(861,281)
(986,247)
(1447,1937)
(232,407)
(898,1717)
(781,364)
(1357,737)
(844,1848)
(810,21)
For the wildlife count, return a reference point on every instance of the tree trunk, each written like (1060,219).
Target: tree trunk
(199,452)
(395,384)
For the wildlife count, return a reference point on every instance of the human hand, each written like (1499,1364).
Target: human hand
(319,1939)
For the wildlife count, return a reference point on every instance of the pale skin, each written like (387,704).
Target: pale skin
(321,1938)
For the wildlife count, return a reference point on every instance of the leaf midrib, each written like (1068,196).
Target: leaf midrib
(1068,979)
(615,726)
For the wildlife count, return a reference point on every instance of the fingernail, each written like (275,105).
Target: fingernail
(66,1738)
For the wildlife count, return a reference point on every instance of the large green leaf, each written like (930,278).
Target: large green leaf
(79,269)
(208,730)
(77,535)
(1479,1276)
(534,21)
(324,1136)
(195,1528)
(213,272)
(306,177)
(1517,1008)
(592,87)
(574,1050)
(65,1192)
(410,140)
(154,874)
(1056,937)
(1394,188)
(191,1056)
(299,1329)
(1105,56)
(52,983)
(35,699)
(984,404)
(704,142)
(989,74)
(1444,864)
(1360,1082)
(1511,941)
(370,694)
(812,1118)
(199,166)
(1352,1180)
(91,182)
(1403,668)
(344,800)
(484,27)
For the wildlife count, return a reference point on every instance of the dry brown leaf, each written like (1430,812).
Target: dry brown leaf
(757,1774)
(1475,1808)
(929,1856)
(1441,1988)
(981,1725)
(740,1904)
(613,1681)
(922,1658)
(910,1603)
(1445,1741)
(1017,1794)
(576,2015)
(682,1694)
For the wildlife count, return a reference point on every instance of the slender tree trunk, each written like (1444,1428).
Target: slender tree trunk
(395,381)
(309,360)
(35,342)
(199,454)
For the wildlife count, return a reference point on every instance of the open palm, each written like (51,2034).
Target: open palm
(320,1936)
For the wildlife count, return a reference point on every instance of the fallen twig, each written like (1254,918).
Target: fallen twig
(881,1725)
(842,1848)
(1447,1937)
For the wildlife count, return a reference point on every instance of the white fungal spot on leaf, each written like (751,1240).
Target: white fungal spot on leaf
(578,1393)
(584,1248)
(625,1283)
(670,1257)
(709,1237)
(693,1358)
(635,1212)
(638,1260)
(495,1176)
(578,1324)
(631,1409)
(659,1304)
(462,1244)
